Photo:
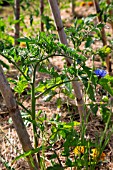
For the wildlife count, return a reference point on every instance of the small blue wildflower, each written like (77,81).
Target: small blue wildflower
(100,73)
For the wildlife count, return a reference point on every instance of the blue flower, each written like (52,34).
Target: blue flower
(100,73)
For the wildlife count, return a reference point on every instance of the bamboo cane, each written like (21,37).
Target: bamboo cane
(17,119)
(111,14)
(62,36)
(41,13)
(104,39)
(73,7)
(17,17)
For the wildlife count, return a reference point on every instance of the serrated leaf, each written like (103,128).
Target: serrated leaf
(40,88)
(20,87)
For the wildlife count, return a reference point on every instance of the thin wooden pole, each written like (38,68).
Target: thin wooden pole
(17,17)
(104,39)
(111,14)
(41,13)
(17,119)
(73,7)
(63,39)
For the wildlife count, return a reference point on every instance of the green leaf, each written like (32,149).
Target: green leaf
(31,152)
(49,96)
(71,124)
(53,156)
(105,83)
(89,19)
(53,137)
(87,70)
(67,93)
(90,92)
(94,108)
(55,167)
(43,69)
(25,40)
(40,88)
(59,102)
(21,86)
(69,162)
(89,42)
(104,51)
(105,113)
(100,25)
(31,19)
(1,46)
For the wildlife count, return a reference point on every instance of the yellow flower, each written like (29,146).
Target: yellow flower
(95,154)
(82,3)
(103,155)
(23,44)
(90,3)
(78,150)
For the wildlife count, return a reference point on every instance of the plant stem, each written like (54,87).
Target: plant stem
(10,61)
(58,84)
(105,130)
(20,104)
(33,110)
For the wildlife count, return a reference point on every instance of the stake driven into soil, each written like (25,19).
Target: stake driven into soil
(17,17)
(111,14)
(17,119)
(62,36)
(104,39)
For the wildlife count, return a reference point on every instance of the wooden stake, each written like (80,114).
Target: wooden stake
(111,14)
(104,39)
(73,7)
(17,17)
(17,119)
(63,39)
(41,13)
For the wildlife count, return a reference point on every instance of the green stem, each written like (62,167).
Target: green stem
(16,67)
(105,130)
(20,104)
(33,102)
(49,56)
(58,84)
(33,110)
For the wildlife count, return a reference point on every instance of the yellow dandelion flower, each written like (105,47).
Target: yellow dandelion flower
(78,150)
